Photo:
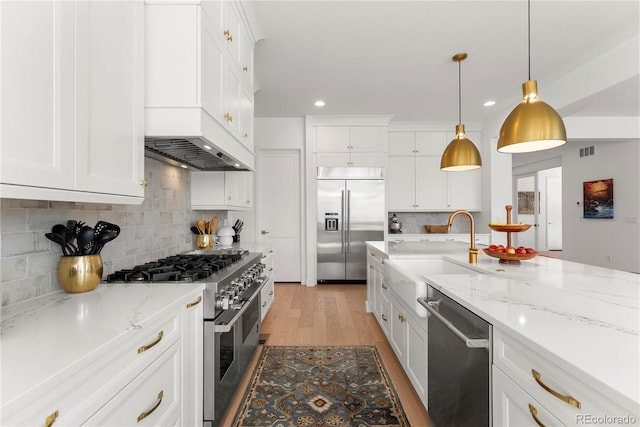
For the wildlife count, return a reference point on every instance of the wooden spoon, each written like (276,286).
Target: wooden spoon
(201,226)
(213,225)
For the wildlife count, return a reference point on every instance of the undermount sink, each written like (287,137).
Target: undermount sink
(404,277)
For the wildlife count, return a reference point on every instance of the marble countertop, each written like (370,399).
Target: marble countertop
(586,317)
(45,335)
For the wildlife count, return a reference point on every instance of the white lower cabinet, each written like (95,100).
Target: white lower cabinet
(268,292)
(151,399)
(408,338)
(377,290)
(192,351)
(523,377)
(512,406)
(149,374)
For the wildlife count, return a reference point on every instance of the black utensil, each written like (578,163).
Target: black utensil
(195,230)
(56,238)
(100,225)
(62,231)
(105,237)
(85,240)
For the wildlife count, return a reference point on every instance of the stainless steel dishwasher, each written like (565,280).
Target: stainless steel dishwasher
(459,363)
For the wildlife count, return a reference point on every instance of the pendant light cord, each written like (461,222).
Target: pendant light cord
(529,34)
(459,93)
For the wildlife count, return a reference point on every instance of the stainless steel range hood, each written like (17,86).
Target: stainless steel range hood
(191,153)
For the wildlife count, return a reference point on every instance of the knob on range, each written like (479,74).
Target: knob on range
(222,302)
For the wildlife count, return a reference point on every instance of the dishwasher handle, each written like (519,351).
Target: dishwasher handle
(431,307)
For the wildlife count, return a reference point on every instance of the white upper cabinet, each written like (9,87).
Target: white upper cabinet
(345,146)
(341,139)
(221,190)
(199,75)
(72,94)
(414,179)
(405,143)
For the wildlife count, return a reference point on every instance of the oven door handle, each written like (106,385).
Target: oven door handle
(469,342)
(227,326)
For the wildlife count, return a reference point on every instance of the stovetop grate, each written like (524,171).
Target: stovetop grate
(177,268)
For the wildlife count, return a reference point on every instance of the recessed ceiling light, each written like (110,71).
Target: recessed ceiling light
(207,147)
(183,166)
(489,103)
(319,104)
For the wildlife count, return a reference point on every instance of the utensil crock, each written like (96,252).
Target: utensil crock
(204,241)
(78,274)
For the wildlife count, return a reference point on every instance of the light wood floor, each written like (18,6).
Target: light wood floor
(330,315)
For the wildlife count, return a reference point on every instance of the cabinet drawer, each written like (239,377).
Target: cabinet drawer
(152,398)
(376,260)
(566,396)
(512,406)
(267,260)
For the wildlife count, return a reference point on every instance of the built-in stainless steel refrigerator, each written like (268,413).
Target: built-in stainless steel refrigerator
(350,212)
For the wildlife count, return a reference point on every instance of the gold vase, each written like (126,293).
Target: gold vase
(78,274)
(204,241)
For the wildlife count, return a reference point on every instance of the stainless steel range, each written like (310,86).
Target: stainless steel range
(233,280)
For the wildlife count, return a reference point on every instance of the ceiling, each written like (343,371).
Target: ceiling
(394,57)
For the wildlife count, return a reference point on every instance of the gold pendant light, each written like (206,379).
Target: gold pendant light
(461,154)
(533,125)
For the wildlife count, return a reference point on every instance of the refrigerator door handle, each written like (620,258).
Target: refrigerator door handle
(348,221)
(341,224)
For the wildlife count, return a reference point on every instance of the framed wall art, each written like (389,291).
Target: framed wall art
(526,202)
(598,198)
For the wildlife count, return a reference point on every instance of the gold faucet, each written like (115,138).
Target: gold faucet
(473,252)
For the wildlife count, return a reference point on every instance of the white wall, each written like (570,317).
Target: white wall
(612,243)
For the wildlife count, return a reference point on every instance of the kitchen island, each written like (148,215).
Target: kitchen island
(582,323)
(106,357)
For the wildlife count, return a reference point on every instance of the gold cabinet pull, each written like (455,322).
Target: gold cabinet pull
(264,304)
(568,399)
(145,414)
(148,346)
(245,68)
(534,414)
(383,317)
(382,262)
(384,286)
(372,254)
(228,35)
(144,182)
(196,302)
(48,422)
(401,318)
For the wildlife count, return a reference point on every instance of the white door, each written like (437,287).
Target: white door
(554,213)
(279,215)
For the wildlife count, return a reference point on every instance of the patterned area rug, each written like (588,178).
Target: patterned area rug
(320,386)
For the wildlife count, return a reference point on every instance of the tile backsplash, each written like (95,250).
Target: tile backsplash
(159,227)
(414,222)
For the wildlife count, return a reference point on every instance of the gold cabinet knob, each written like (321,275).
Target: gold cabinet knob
(245,68)
(144,182)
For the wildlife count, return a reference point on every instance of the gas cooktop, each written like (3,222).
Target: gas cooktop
(187,267)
